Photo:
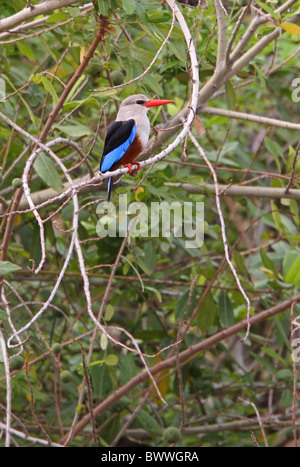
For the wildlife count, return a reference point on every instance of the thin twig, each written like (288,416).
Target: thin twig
(293,168)
(89,394)
(223,229)
(32,402)
(259,421)
(8,388)
(151,64)
(294,408)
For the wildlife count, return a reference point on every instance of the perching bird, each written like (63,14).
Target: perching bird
(128,136)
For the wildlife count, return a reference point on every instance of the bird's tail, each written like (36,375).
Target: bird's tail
(108,189)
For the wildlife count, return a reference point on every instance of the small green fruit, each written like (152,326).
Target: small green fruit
(171,435)
(117,77)
(16,183)
(66,376)
(16,363)
(56,348)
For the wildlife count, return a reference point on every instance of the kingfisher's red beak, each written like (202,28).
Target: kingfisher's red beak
(157,102)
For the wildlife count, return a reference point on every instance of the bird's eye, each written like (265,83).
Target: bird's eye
(140,102)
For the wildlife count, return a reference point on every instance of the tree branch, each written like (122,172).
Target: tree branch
(36,23)
(28,13)
(240,190)
(184,357)
(249,117)
(221,33)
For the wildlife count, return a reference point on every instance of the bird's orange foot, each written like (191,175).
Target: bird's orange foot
(130,169)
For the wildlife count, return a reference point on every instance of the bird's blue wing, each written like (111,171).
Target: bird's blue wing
(119,137)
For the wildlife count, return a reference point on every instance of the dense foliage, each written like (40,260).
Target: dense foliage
(155,288)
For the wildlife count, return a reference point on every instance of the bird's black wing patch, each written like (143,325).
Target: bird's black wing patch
(117,134)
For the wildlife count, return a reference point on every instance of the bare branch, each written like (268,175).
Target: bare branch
(250,118)
(223,229)
(8,388)
(37,23)
(239,190)
(28,13)
(220,11)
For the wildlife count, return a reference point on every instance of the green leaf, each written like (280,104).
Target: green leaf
(103,7)
(231,96)
(76,85)
(127,368)
(58,17)
(240,263)
(273,147)
(260,75)
(108,92)
(276,216)
(275,150)
(150,254)
(141,55)
(292,276)
(273,354)
(6,267)
(73,11)
(103,341)
(49,88)
(101,380)
(268,263)
(290,159)
(268,9)
(288,260)
(111,360)
(109,312)
(286,398)
(3,316)
(31,114)
(74,105)
(265,362)
(158,16)
(153,84)
(178,50)
(282,332)
(284,374)
(26,50)
(129,6)
(45,168)
(142,264)
(156,292)
(75,130)
(206,314)
(148,423)
(185,304)
(225,310)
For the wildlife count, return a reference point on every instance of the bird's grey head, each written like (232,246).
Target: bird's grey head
(133,107)
(139,100)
